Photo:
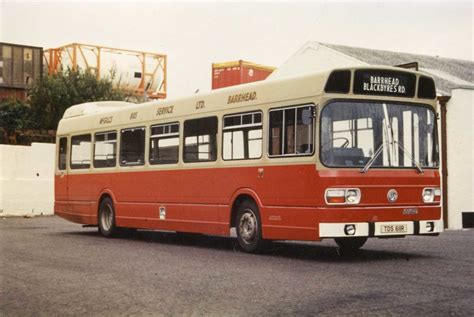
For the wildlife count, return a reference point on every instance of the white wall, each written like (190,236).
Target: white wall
(313,57)
(460,155)
(27,179)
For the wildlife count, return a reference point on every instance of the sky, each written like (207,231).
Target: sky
(194,35)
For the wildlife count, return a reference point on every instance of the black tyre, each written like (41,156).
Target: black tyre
(350,244)
(249,228)
(106,219)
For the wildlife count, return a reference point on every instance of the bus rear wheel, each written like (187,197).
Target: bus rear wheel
(106,219)
(249,228)
(350,244)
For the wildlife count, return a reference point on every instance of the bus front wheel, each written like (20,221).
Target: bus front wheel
(249,228)
(107,218)
(350,244)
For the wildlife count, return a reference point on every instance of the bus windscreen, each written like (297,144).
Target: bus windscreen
(352,132)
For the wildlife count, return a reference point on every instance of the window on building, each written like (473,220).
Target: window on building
(62,153)
(242,136)
(132,146)
(81,151)
(164,143)
(291,131)
(105,149)
(200,140)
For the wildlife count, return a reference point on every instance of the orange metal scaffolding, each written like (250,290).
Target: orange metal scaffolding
(76,55)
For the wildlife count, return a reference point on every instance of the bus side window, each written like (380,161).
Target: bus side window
(62,153)
(132,146)
(164,144)
(81,151)
(200,140)
(242,136)
(105,149)
(291,131)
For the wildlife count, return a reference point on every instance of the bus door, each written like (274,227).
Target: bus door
(61,179)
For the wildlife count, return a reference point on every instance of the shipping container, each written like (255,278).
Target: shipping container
(20,67)
(238,72)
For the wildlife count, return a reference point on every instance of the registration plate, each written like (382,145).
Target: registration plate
(400,228)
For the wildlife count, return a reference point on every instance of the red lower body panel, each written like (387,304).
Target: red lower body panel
(290,198)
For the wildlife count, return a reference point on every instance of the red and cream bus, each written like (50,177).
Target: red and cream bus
(345,154)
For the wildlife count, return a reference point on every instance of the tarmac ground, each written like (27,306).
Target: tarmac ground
(50,267)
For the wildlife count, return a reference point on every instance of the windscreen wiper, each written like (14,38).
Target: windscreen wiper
(387,130)
(372,160)
(380,149)
(390,140)
(417,165)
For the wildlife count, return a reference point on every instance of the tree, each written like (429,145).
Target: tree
(14,115)
(53,94)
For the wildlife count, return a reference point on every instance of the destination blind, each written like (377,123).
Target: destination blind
(384,83)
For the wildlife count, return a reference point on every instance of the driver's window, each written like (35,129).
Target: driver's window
(291,131)
(354,133)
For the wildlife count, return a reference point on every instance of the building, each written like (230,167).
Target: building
(455,90)
(20,67)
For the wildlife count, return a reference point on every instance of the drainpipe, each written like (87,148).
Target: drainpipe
(443,100)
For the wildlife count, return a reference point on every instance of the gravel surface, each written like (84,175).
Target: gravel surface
(51,267)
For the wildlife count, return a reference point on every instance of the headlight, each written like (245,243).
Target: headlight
(431,194)
(349,196)
(352,196)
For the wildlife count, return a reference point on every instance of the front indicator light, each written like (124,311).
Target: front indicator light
(335,196)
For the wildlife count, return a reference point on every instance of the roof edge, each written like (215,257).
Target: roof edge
(243,63)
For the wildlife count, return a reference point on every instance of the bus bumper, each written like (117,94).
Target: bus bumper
(380,229)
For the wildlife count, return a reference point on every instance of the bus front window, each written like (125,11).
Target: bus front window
(352,131)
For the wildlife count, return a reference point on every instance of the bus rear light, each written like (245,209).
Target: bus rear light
(431,195)
(349,196)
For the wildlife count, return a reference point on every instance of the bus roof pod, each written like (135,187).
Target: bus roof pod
(95,107)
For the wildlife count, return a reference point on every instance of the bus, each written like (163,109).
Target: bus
(345,154)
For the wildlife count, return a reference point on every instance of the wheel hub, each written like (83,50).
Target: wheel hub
(248,226)
(107,217)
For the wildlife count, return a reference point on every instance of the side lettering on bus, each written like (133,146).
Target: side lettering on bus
(164,110)
(106,120)
(242,97)
(200,105)
(133,115)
